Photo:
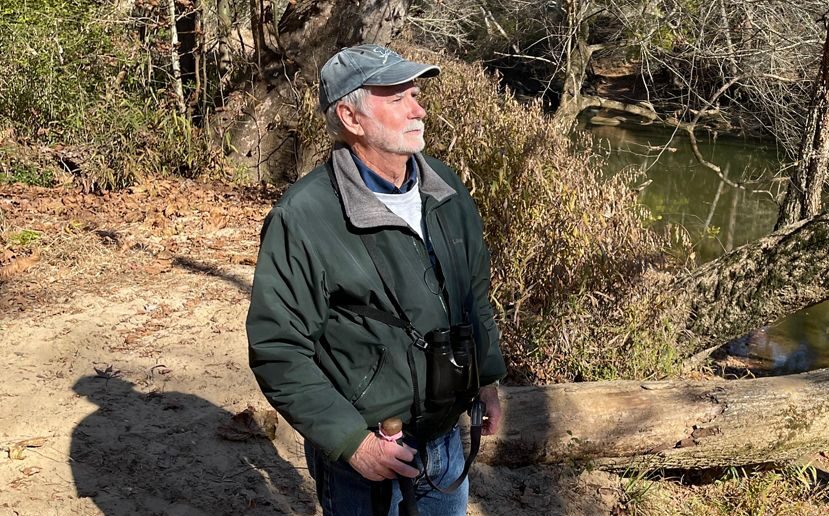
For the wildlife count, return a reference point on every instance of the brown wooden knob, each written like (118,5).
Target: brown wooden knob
(392,426)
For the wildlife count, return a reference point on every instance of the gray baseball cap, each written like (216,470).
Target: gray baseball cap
(366,65)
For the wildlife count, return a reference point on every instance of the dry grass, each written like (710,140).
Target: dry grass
(578,276)
(791,491)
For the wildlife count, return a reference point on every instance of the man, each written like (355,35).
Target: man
(361,257)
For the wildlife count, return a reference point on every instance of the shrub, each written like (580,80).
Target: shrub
(578,277)
(71,84)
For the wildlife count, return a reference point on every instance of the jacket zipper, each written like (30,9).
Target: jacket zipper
(421,251)
(376,372)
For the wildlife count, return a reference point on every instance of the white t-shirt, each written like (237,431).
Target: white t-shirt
(407,206)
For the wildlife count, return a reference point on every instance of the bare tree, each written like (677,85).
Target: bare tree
(178,90)
(805,192)
(289,50)
(765,51)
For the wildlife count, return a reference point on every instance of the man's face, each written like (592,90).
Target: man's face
(393,119)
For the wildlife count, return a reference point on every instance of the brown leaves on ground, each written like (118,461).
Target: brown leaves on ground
(250,424)
(11,264)
(16,450)
(147,229)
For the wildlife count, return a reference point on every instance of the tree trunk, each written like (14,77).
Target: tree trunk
(224,28)
(308,33)
(667,424)
(578,54)
(178,90)
(803,198)
(757,283)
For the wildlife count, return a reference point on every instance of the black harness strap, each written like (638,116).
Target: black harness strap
(401,320)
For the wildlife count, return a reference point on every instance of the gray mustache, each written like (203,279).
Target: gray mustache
(416,125)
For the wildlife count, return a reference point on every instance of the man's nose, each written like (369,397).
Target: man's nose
(417,110)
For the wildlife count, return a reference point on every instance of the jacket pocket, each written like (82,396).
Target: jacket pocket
(368,380)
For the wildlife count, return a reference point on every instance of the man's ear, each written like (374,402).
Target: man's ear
(350,118)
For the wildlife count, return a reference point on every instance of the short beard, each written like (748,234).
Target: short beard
(399,145)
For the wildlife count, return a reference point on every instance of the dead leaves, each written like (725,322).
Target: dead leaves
(16,450)
(16,265)
(242,260)
(250,424)
(107,373)
(148,231)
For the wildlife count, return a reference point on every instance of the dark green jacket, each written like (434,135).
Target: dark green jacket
(331,373)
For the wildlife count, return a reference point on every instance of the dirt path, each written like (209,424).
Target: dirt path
(122,332)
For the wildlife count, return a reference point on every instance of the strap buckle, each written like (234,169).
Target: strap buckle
(476,412)
(417,338)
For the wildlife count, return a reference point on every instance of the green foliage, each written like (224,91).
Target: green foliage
(27,173)
(56,61)
(73,83)
(24,238)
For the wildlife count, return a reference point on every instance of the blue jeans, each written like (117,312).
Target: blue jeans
(342,491)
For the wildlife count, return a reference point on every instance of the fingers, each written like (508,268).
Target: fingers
(404,452)
(403,469)
(377,459)
(401,455)
(490,426)
(492,420)
(370,475)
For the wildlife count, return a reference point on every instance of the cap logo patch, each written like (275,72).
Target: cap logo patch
(384,53)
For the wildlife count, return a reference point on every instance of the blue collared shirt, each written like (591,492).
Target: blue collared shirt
(377,184)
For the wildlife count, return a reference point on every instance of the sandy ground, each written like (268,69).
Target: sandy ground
(122,335)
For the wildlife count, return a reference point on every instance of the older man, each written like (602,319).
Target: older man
(368,265)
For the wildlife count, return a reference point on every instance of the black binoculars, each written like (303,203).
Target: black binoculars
(451,368)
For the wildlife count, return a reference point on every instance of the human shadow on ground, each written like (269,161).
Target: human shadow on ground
(160,453)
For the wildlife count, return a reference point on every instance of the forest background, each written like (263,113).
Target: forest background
(103,100)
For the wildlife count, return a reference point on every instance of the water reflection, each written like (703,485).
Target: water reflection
(718,218)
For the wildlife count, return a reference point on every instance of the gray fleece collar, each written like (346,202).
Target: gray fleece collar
(362,208)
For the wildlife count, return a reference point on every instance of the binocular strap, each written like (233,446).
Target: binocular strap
(400,320)
(478,407)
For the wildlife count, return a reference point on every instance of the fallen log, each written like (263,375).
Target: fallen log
(663,424)
(757,283)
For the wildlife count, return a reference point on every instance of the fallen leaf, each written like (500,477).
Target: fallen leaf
(20,483)
(250,424)
(16,452)
(34,442)
(19,265)
(16,449)
(242,260)
(107,373)
(159,267)
(160,369)
(31,470)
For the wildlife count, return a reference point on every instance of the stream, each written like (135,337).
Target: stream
(718,218)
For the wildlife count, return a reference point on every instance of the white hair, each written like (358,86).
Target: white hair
(355,99)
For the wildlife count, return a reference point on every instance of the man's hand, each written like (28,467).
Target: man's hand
(377,459)
(492,417)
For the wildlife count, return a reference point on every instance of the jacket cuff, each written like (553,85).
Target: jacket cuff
(349,445)
(492,378)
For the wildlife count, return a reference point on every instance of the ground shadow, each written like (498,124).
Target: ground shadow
(197,267)
(160,453)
